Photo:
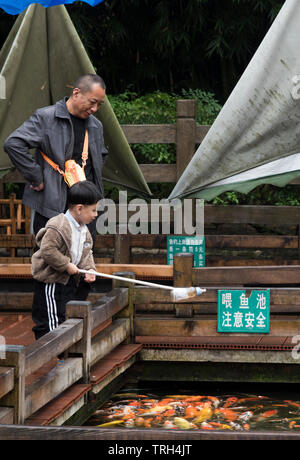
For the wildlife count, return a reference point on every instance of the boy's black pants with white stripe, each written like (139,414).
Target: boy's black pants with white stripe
(49,305)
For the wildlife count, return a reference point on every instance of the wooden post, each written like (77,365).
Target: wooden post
(81,309)
(298,234)
(182,273)
(127,312)
(122,246)
(185,133)
(27,217)
(15,357)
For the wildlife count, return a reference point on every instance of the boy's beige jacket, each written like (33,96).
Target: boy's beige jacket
(49,262)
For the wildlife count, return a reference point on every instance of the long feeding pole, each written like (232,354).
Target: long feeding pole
(177,293)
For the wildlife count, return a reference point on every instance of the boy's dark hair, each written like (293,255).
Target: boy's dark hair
(84,192)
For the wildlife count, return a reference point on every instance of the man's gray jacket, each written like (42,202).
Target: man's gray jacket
(50,130)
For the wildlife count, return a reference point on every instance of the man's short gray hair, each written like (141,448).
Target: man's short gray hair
(85,82)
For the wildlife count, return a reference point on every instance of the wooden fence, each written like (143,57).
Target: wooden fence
(235,235)
(90,338)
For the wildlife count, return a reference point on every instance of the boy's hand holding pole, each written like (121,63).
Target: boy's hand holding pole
(89,277)
(73,270)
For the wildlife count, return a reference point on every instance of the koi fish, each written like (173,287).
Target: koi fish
(182,423)
(155,410)
(169,413)
(150,401)
(267,414)
(230,401)
(194,398)
(115,422)
(192,412)
(206,426)
(139,421)
(204,414)
(165,401)
(237,426)
(292,403)
(229,414)
(214,400)
(292,425)
(147,423)
(221,426)
(168,425)
(245,416)
(129,423)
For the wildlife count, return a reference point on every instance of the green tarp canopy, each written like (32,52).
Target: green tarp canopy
(39,63)
(256,137)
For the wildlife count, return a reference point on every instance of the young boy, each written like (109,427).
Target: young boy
(65,245)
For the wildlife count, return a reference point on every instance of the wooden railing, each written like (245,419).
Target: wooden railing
(90,333)
(250,247)
(14,217)
(234,235)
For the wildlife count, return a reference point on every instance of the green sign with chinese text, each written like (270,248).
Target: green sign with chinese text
(238,312)
(186,244)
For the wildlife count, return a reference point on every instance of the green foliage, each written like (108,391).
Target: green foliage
(160,107)
(262,195)
(157,107)
(207,106)
(154,108)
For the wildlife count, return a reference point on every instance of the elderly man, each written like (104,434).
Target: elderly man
(58,133)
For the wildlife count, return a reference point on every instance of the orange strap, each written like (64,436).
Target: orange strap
(85,151)
(84,155)
(51,163)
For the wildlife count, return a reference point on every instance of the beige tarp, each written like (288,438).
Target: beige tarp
(39,63)
(256,137)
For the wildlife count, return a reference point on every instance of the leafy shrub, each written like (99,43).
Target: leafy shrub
(160,107)
(267,195)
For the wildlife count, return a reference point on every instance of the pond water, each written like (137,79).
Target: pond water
(178,407)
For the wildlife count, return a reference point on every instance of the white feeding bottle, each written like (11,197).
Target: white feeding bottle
(186,293)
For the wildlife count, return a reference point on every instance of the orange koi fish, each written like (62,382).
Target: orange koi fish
(165,401)
(267,414)
(139,421)
(292,403)
(191,412)
(230,401)
(221,426)
(229,414)
(194,398)
(134,403)
(169,413)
